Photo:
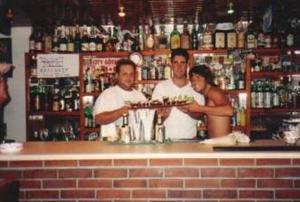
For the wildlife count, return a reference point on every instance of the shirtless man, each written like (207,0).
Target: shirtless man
(217,108)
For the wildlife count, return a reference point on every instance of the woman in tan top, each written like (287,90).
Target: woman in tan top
(218,108)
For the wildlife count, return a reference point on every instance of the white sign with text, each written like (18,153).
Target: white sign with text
(57,65)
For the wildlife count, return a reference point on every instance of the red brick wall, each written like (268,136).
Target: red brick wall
(250,180)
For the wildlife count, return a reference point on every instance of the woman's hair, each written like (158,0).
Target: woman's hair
(204,71)
(124,62)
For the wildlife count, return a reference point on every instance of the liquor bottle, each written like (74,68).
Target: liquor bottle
(99,43)
(267,95)
(141,38)
(55,41)
(62,103)
(162,38)
(194,38)
(32,41)
(200,36)
(89,86)
(259,103)
(242,116)
(85,40)
(125,130)
(39,41)
(240,35)
(36,99)
(250,36)
(253,94)
(185,37)
(149,38)
(160,133)
(290,37)
(63,42)
(47,39)
(231,38)
(77,41)
(260,38)
(70,44)
(275,95)
(92,40)
(219,36)
(208,36)
(88,115)
(175,38)
(167,72)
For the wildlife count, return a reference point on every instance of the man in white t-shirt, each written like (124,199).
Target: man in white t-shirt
(178,122)
(111,104)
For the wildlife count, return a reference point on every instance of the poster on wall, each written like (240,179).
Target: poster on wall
(57,65)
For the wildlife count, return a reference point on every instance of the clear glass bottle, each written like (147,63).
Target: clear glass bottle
(160,134)
(125,130)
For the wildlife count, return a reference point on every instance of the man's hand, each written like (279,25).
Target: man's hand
(124,110)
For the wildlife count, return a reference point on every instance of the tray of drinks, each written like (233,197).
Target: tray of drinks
(167,102)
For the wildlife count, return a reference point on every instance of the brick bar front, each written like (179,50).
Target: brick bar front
(85,172)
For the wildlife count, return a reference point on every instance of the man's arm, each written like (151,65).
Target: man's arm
(110,116)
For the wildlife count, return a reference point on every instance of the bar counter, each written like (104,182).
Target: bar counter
(97,171)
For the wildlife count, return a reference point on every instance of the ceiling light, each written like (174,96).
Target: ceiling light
(230,8)
(122,12)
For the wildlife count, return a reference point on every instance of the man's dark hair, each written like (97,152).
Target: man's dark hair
(204,71)
(180,52)
(124,62)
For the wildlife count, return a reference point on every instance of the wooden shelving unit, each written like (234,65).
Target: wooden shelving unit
(249,76)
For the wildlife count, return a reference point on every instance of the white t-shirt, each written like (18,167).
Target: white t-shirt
(178,124)
(111,99)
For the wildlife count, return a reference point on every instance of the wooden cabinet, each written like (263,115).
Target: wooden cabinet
(274,75)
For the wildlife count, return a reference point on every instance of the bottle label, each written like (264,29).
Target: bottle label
(92,46)
(150,42)
(207,40)
(175,42)
(268,103)
(70,47)
(99,47)
(251,41)
(39,46)
(231,40)
(220,40)
(241,40)
(84,47)
(63,47)
(185,44)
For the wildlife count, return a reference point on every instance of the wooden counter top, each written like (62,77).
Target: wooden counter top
(104,150)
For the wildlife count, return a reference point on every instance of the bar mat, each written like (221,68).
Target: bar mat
(256,148)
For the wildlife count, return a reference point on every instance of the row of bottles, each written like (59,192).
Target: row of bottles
(44,129)
(284,63)
(126,134)
(154,68)
(228,70)
(282,93)
(149,36)
(54,95)
(239,116)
